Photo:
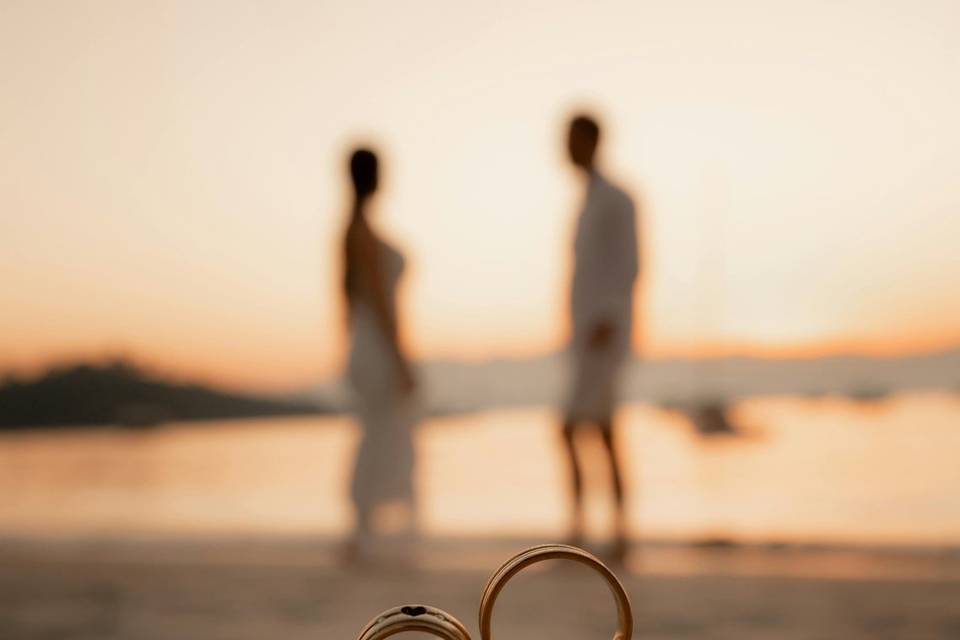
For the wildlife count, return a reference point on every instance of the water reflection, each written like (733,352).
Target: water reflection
(813,470)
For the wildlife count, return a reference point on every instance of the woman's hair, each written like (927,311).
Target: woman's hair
(363,175)
(363,171)
(587,125)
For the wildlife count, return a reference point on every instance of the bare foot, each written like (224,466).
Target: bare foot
(576,538)
(349,553)
(619,550)
(355,550)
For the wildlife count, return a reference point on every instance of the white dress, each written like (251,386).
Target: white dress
(605,269)
(383,469)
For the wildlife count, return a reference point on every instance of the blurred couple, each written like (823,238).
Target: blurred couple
(379,368)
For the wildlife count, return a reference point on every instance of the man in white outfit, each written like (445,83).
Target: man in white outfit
(605,270)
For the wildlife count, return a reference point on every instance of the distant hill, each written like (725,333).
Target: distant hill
(452,386)
(120,393)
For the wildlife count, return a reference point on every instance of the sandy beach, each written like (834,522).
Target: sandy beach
(242,589)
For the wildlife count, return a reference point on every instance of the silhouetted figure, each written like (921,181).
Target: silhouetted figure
(605,268)
(378,369)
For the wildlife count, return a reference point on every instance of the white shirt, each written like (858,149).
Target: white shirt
(605,262)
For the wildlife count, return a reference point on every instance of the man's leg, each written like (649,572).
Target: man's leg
(576,486)
(616,478)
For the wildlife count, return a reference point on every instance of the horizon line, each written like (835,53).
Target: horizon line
(183,375)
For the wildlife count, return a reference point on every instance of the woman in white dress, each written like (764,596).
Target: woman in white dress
(378,370)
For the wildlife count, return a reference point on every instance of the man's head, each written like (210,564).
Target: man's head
(583,139)
(364,172)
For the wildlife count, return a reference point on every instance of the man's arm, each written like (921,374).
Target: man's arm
(618,251)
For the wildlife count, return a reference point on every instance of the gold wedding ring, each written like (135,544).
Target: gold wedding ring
(415,617)
(439,623)
(554,552)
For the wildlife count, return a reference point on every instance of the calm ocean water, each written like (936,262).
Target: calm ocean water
(822,470)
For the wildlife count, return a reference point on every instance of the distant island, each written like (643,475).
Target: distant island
(121,393)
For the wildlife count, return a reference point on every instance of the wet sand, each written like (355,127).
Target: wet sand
(259,589)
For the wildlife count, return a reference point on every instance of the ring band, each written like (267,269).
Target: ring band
(415,617)
(552,552)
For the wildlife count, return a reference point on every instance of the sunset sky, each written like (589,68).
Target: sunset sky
(172,181)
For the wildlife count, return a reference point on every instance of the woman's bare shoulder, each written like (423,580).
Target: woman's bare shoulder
(357,232)
(361,240)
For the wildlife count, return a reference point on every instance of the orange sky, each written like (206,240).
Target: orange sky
(171,180)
